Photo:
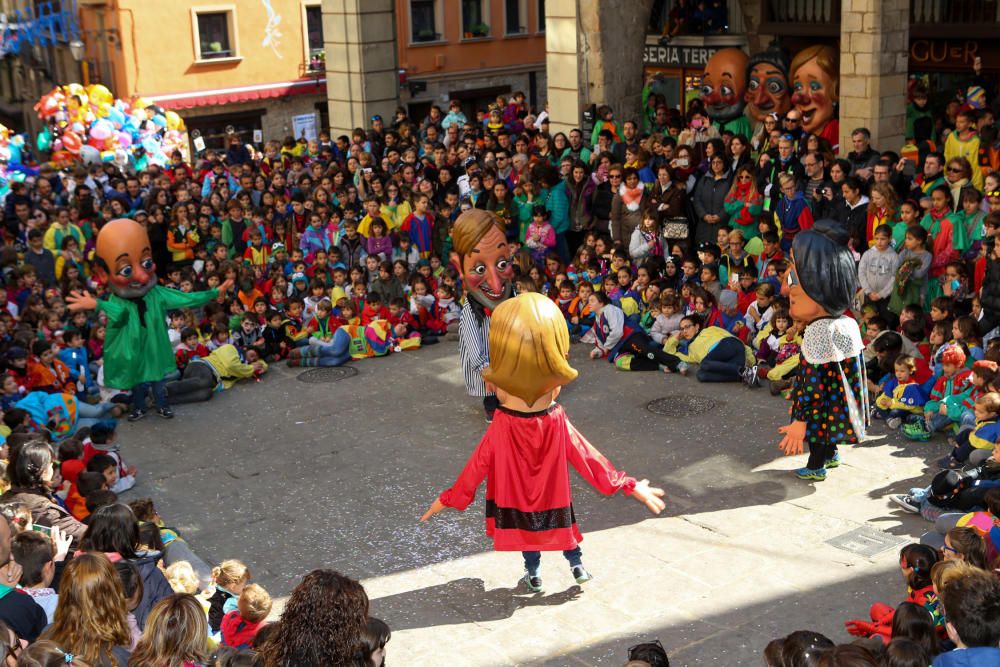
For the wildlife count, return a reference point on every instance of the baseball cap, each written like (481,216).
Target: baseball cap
(469,161)
(376,117)
(296,277)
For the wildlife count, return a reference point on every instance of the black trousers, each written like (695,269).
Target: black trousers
(647,355)
(197,384)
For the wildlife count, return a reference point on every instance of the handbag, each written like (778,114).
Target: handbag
(676,228)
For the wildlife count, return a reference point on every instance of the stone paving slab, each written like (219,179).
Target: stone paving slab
(290,476)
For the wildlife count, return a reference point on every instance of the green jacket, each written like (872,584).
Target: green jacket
(137,351)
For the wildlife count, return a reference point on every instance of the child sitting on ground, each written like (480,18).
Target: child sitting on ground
(87,483)
(240,626)
(35,554)
(915,563)
(985,434)
(104,440)
(230,578)
(902,399)
(189,348)
(953,382)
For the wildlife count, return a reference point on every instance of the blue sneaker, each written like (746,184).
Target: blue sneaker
(832,462)
(817,475)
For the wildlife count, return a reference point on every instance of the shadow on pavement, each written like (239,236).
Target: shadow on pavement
(737,636)
(463,600)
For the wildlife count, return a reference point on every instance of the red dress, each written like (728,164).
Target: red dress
(525,458)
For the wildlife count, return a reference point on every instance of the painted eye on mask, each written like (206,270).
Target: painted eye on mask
(726,91)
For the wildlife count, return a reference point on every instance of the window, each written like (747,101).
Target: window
(314,29)
(474,15)
(213,35)
(514,17)
(541,15)
(423,21)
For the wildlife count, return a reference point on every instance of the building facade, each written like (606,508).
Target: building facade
(226,66)
(35,55)
(883,47)
(469,50)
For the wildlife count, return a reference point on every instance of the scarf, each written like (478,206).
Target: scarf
(631,197)
(741,196)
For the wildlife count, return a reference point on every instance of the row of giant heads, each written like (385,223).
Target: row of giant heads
(734,85)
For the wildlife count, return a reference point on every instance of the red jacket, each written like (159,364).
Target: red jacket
(525,458)
(237,632)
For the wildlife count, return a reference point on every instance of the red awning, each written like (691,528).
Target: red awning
(204,98)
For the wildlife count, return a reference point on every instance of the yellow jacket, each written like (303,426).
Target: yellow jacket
(702,344)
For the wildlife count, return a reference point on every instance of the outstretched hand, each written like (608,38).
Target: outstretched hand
(226,286)
(795,435)
(435,507)
(860,628)
(650,496)
(78,300)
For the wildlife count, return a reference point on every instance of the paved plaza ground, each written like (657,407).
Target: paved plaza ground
(290,476)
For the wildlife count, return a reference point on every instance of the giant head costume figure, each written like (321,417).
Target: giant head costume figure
(529,346)
(767,84)
(821,280)
(723,84)
(482,255)
(125,256)
(815,75)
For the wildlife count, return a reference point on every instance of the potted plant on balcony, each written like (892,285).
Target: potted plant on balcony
(480,30)
(426,35)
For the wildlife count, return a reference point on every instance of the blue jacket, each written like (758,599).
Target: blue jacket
(981,656)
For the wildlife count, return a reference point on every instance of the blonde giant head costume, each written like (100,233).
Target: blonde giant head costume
(529,344)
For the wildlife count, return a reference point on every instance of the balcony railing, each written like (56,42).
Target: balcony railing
(941,19)
(805,17)
(954,18)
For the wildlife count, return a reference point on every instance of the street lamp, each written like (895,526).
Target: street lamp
(76,49)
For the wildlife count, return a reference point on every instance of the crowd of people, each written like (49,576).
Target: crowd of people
(664,244)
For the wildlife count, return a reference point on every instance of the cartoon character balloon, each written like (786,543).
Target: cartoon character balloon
(767,84)
(815,75)
(723,87)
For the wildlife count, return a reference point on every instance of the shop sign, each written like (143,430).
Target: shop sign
(944,52)
(677,56)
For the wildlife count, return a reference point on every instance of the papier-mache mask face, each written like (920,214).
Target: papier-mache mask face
(482,255)
(814,87)
(767,85)
(723,84)
(126,257)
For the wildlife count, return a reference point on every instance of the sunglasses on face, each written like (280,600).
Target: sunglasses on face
(954,170)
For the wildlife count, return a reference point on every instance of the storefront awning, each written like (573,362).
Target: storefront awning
(204,98)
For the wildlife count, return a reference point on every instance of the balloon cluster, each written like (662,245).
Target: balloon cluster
(89,125)
(11,166)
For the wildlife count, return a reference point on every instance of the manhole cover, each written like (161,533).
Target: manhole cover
(681,405)
(866,541)
(323,375)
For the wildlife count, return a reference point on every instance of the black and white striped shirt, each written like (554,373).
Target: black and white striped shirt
(474,348)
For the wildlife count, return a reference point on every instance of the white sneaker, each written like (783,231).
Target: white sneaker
(893,422)
(908,503)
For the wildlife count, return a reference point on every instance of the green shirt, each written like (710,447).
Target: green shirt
(134,353)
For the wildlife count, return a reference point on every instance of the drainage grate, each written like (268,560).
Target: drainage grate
(866,541)
(324,375)
(681,405)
